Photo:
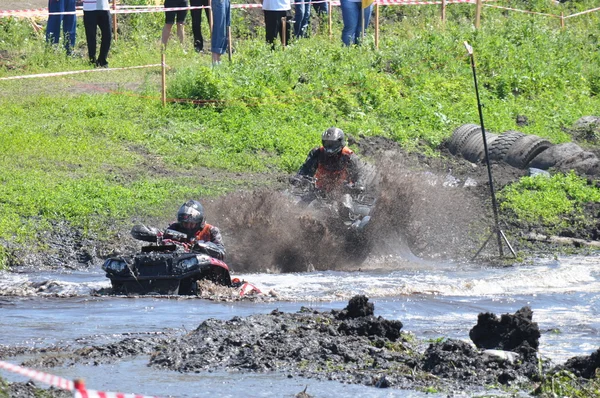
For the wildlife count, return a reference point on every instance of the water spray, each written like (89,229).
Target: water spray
(499,233)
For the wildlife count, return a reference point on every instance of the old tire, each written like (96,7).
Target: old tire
(525,149)
(500,147)
(554,155)
(460,135)
(473,150)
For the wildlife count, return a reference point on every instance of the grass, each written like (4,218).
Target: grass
(90,148)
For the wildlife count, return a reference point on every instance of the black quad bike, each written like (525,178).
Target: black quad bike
(171,265)
(351,208)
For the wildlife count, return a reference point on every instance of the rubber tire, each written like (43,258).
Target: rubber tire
(460,135)
(525,149)
(473,150)
(500,147)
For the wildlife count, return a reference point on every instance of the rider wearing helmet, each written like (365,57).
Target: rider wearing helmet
(333,165)
(190,220)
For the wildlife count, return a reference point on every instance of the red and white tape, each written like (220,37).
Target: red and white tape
(78,387)
(76,72)
(39,376)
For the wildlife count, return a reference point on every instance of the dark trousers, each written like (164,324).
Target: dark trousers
(273,26)
(92,20)
(197,22)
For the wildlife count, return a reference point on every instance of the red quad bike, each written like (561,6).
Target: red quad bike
(171,265)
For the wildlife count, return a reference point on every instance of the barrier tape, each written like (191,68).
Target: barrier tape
(583,12)
(77,386)
(146,9)
(523,11)
(76,72)
(39,376)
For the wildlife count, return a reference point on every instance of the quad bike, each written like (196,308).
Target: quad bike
(172,265)
(351,206)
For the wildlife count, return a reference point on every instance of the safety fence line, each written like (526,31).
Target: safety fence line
(77,386)
(149,9)
(523,11)
(583,12)
(47,378)
(75,72)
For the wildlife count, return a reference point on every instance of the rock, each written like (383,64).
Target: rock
(510,332)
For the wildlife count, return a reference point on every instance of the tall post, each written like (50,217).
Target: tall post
(443,10)
(114,20)
(163,75)
(377,24)
(562,20)
(478,14)
(330,20)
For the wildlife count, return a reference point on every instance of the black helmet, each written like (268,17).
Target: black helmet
(191,212)
(333,140)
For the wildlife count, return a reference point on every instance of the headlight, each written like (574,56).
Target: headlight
(114,266)
(185,265)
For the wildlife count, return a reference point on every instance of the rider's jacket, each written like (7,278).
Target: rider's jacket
(331,172)
(209,233)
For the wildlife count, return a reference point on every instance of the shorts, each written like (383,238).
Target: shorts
(170,16)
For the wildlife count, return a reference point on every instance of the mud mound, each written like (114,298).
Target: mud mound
(584,366)
(515,332)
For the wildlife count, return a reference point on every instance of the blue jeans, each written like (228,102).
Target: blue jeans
(69,23)
(302,18)
(221,10)
(353,18)
(321,8)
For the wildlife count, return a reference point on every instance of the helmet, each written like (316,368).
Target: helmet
(333,140)
(191,212)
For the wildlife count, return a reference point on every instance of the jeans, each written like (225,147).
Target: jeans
(92,20)
(221,10)
(302,18)
(197,22)
(352,17)
(69,23)
(321,8)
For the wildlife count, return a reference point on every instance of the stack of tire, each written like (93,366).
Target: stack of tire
(512,147)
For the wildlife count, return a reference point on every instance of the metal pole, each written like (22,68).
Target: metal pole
(485,148)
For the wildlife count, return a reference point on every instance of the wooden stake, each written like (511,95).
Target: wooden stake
(114,20)
(229,45)
(163,65)
(443,10)
(478,14)
(377,24)
(562,20)
(330,21)
(283,31)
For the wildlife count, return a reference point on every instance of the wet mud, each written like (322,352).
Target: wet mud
(349,346)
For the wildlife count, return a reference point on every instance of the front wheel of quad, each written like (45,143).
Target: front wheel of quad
(188,287)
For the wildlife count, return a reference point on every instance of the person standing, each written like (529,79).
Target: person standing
(353,15)
(274,11)
(96,14)
(197,22)
(219,39)
(68,21)
(170,17)
(302,18)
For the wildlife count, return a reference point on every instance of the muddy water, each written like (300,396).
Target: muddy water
(432,301)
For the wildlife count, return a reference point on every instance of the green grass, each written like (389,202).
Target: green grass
(86,148)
